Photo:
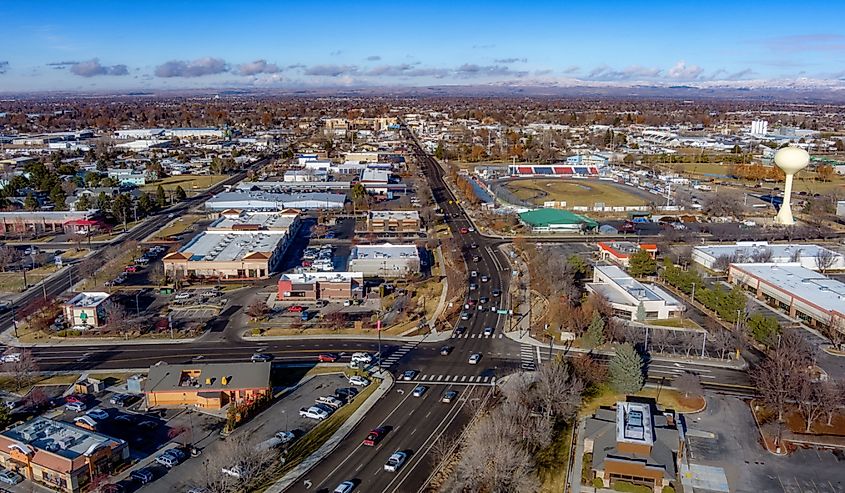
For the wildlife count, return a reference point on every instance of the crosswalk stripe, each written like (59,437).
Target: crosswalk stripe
(439,377)
(463,378)
(486,378)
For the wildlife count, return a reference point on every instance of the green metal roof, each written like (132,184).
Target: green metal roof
(546,217)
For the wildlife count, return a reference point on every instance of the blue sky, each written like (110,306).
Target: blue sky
(179,44)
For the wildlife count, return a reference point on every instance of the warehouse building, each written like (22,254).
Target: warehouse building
(335,286)
(207,386)
(60,455)
(385,260)
(630,298)
(236,246)
(802,293)
(809,256)
(267,201)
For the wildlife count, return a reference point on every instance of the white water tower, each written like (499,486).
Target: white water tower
(791,160)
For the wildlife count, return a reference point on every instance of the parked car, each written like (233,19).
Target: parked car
(484,278)
(121,399)
(374,436)
(98,414)
(327,357)
(473,286)
(497,293)
(75,406)
(261,357)
(419,390)
(142,475)
(130,268)
(10,477)
(464,231)
(10,358)
(359,381)
(313,412)
(295,308)
(344,487)
(285,436)
(474,358)
(184,295)
(346,393)
(448,396)
(395,461)
(167,460)
(330,401)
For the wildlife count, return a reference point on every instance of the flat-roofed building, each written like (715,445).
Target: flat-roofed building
(43,221)
(86,309)
(268,201)
(238,245)
(393,222)
(60,455)
(802,293)
(321,286)
(208,386)
(634,444)
(716,257)
(631,298)
(385,260)
(620,252)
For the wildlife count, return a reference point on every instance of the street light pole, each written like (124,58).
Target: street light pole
(378,331)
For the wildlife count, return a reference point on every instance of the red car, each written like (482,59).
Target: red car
(295,308)
(464,231)
(374,437)
(327,358)
(131,268)
(73,398)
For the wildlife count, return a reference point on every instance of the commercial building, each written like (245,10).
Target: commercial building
(809,256)
(195,133)
(393,222)
(556,220)
(236,246)
(589,160)
(620,251)
(630,298)
(802,293)
(266,201)
(144,144)
(86,309)
(207,386)
(635,443)
(139,133)
(321,286)
(375,180)
(128,176)
(385,260)
(38,222)
(60,455)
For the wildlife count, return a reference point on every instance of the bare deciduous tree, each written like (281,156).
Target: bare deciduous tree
(688,383)
(810,399)
(778,377)
(825,259)
(558,389)
(20,364)
(117,318)
(8,256)
(237,453)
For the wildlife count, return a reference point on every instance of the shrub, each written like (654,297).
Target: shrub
(598,483)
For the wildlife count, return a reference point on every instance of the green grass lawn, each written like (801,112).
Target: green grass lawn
(7,384)
(553,461)
(187,182)
(574,192)
(315,438)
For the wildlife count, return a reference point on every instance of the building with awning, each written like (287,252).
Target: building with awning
(551,220)
(207,386)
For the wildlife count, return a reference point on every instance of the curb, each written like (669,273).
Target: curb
(439,337)
(327,448)
(762,436)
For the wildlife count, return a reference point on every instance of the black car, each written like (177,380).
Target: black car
(460,330)
(143,476)
(346,392)
(445,350)
(497,293)
(473,245)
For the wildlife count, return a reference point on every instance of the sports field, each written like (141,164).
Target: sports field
(575,192)
(187,182)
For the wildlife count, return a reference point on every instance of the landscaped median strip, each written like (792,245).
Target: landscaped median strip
(326,436)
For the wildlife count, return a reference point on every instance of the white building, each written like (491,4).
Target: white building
(86,309)
(144,144)
(267,201)
(759,128)
(809,256)
(386,260)
(798,291)
(138,133)
(625,295)
(195,133)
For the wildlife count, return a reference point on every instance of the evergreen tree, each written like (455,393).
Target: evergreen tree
(58,197)
(83,203)
(145,204)
(31,203)
(103,202)
(626,370)
(121,207)
(594,335)
(640,312)
(641,264)
(161,197)
(180,193)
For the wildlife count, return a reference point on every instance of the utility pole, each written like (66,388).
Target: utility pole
(378,331)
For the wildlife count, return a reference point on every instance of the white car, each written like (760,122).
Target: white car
(167,461)
(474,358)
(98,414)
(344,487)
(182,296)
(75,406)
(10,477)
(358,381)
(420,390)
(314,412)
(395,461)
(10,358)
(488,331)
(285,436)
(362,357)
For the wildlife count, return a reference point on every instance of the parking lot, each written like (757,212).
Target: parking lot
(283,415)
(725,435)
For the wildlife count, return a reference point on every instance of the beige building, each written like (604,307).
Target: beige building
(238,245)
(60,455)
(86,309)
(393,222)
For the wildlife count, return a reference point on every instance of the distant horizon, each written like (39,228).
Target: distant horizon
(84,47)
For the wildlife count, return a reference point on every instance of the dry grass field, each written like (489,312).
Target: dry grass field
(574,192)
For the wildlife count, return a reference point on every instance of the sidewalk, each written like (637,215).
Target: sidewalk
(439,337)
(7,338)
(312,460)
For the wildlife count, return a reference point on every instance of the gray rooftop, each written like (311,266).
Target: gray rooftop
(801,282)
(58,437)
(207,377)
(231,245)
